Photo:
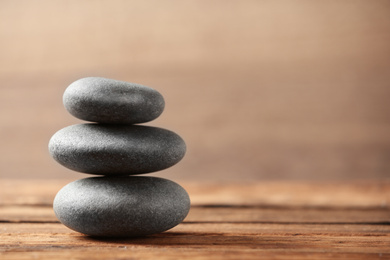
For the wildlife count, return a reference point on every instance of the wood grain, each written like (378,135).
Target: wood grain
(348,194)
(32,214)
(299,228)
(199,241)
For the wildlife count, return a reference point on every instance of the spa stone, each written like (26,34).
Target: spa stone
(121,206)
(112,101)
(116,149)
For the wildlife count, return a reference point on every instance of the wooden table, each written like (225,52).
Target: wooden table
(270,220)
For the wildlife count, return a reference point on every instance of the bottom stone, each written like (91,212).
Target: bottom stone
(126,206)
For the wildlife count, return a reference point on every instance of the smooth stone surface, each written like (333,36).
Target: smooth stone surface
(111,101)
(121,206)
(116,149)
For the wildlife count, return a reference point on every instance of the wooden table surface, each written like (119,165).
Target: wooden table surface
(264,220)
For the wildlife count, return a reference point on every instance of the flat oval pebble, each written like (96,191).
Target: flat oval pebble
(121,206)
(116,149)
(112,101)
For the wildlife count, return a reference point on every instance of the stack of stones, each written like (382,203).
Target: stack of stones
(117,204)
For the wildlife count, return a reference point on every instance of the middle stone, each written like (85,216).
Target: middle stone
(116,149)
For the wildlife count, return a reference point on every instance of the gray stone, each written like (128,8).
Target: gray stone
(121,206)
(116,149)
(111,101)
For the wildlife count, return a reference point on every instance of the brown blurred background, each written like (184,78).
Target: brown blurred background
(258,89)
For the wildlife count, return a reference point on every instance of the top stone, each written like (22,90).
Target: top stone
(112,102)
